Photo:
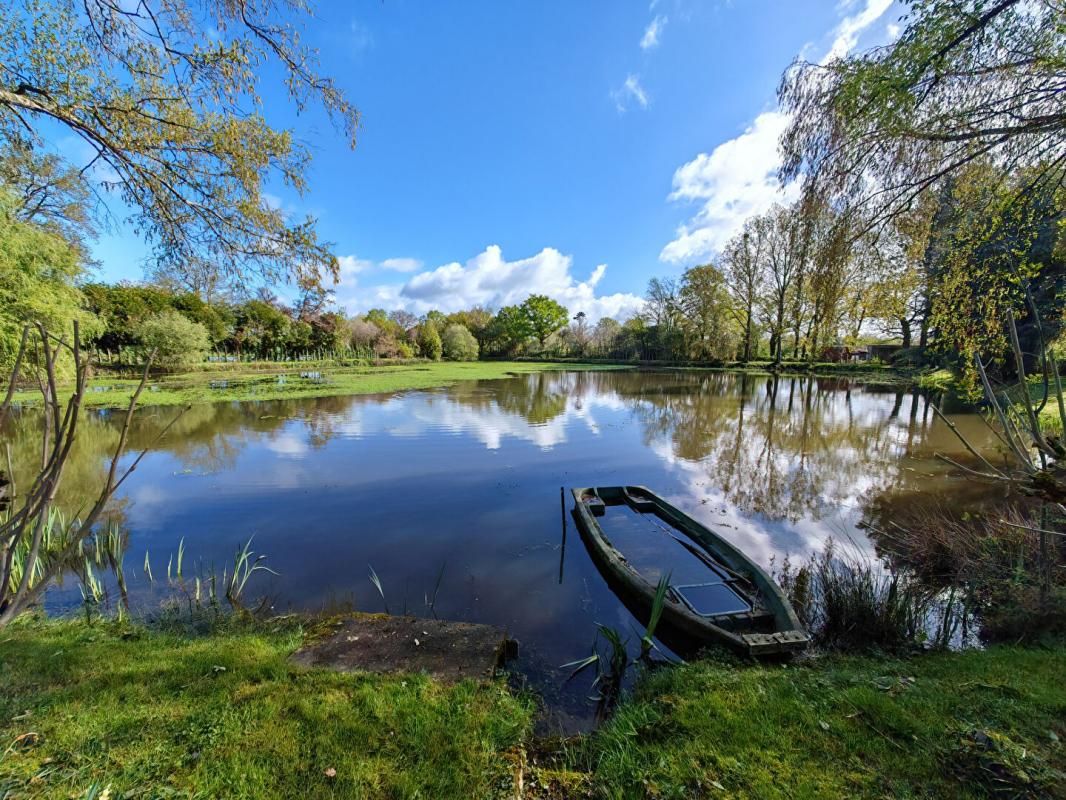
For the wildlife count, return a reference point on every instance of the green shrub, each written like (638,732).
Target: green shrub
(459,344)
(175,339)
(429,341)
(940,380)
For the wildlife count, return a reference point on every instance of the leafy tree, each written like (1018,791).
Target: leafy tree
(606,332)
(545,316)
(362,333)
(477,320)
(966,80)
(49,193)
(215,317)
(122,307)
(329,331)
(707,314)
(743,266)
(459,344)
(992,255)
(782,230)
(37,273)
(165,96)
(436,318)
(298,338)
(511,327)
(898,294)
(261,328)
(173,339)
(381,318)
(429,341)
(388,346)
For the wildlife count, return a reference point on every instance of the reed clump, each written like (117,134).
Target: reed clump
(1010,567)
(849,601)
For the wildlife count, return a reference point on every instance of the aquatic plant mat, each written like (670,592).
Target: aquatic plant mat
(446,651)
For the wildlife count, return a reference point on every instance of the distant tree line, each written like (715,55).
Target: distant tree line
(808,281)
(125,322)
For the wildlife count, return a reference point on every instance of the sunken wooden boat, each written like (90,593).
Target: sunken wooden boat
(716,595)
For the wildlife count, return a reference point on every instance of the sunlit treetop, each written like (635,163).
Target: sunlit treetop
(966,80)
(165,94)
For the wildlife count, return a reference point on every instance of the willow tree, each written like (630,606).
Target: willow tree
(966,80)
(165,98)
(37,273)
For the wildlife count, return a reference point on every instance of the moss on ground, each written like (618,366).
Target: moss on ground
(157,714)
(282,381)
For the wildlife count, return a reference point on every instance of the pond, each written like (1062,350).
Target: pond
(461,486)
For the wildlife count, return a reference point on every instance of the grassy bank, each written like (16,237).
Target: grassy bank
(955,725)
(154,714)
(157,715)
(258,381)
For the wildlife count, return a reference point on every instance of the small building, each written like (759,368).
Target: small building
(884,352)
(842,353)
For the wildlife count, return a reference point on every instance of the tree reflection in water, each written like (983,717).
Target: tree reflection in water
(778,458)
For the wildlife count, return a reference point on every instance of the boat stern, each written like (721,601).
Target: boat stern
(765,644)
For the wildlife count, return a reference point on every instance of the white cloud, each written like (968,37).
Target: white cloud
(401,264)
(630,91)
(847,32)
(352,266)
(287,444)
(738,178)
(650,39)
(489,280)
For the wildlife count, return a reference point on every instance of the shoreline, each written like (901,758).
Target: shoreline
(216,708)
(252,381)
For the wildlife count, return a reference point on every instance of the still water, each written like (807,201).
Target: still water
(463,483)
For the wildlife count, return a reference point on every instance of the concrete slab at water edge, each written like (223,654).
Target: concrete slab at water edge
(446,651)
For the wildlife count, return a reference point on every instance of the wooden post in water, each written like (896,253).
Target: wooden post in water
(562,547)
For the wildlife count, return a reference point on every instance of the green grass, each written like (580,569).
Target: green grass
(841,727)
(158,715)
(277,381)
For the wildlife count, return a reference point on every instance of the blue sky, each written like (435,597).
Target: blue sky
(574,149)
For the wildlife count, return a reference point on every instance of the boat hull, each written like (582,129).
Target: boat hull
(771,628)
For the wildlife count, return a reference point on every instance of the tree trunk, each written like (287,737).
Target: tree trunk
(747,335)
(905,327)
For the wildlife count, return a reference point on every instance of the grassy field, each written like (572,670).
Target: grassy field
(278,381)
(156,714)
